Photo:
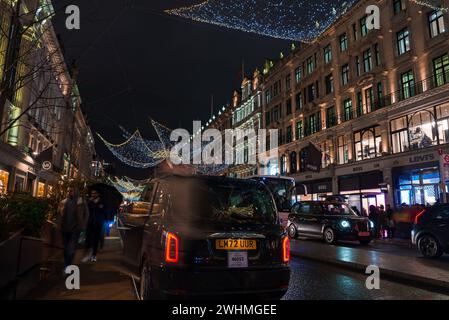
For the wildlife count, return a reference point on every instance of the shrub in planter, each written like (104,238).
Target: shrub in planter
(26,213)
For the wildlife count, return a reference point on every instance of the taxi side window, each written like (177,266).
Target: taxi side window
(161,200)
(316,209)
(304,209)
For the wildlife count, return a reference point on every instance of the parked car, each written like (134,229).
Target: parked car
(431,231)
(208,236)
(328,220)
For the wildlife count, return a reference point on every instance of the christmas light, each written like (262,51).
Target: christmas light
(298,20)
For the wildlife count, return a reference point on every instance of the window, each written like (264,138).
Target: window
(377,53)
(161,199)
(443,123)
(398,6)
(267,118)
(403,41)
(289,136)
(357,65)
(436,23)
(368,143)
(298,101)
(441,70)
(369,99)
(331,117)
(359,106)
(267,96)
(354,31)
(380,95)
(293,168)
(347,110)
(363,27)
(399,135)
(343,150)
(298,74)
(327,153)
(314,123)
(276,88)
(288,107)
(421,127)
(299,130)
(345,74)
(303,159)
(310,65)
(367,62)
(327,54)
(311,93)
(343,42)
(329,80)
(407,85)
(283,164)
(288,82)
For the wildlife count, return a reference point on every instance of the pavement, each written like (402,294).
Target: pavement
(107,279)
(401,262)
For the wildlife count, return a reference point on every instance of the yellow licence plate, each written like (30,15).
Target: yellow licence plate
(236,244)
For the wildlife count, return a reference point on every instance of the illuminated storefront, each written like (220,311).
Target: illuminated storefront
(4,180)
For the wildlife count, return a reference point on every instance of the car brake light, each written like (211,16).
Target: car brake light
(286,250)
(418,216)
(171,248)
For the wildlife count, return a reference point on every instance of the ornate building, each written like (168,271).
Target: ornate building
(44,134)
(374,102)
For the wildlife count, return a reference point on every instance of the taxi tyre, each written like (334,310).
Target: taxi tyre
(146,291)
(292,232)
(329,235)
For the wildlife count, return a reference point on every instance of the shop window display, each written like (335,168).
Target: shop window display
(4,179)
(368,143)
(420,186)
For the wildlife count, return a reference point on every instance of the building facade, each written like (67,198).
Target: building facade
(374,102)
(45,136)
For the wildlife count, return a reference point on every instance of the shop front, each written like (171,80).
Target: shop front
(4,180)
(417,184)
(363,190)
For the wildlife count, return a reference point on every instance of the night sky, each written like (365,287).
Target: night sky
(136,62)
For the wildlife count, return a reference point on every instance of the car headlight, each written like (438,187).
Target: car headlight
(345,224)
(371,224)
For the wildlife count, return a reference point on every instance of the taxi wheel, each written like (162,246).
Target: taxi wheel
(430,247)
(329,236)
(292,233)
(146,288)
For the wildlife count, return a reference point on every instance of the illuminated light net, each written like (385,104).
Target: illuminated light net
(296,20)
(140,153)
(130,189)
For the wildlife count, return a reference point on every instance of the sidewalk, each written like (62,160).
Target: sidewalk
(106,279)
(410,267)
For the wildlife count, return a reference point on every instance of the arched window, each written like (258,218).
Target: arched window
(422,130)
(293,162)
(368,143)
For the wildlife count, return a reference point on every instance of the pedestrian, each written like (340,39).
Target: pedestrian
(97,217)
(374,217)
(73,215)
(391,222)
(356,210)
(383,221)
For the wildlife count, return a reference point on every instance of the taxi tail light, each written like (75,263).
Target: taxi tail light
(419,215)
(286,250)
(172,248)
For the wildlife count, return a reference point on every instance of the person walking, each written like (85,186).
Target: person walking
(72,215)
(374,217)
(383,222)
(97,217)
(391,222)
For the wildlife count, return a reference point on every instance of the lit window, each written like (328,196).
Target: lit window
(403,41)
(436,23)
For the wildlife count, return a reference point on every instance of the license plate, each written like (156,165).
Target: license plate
(364,234)
(235,244)
(238,259)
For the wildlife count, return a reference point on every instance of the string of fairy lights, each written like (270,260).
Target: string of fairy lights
(296,20)
(141,153)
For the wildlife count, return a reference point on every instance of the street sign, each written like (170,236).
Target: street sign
(46,165)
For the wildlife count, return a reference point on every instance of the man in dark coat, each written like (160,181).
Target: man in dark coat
(97,217)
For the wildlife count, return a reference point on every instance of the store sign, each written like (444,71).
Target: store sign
(422,158)
(46,165)
(444,166)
